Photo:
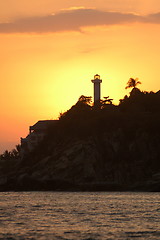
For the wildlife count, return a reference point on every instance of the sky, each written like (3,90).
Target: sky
(50,50)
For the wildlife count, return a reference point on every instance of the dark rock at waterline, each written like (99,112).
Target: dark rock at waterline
(30,184)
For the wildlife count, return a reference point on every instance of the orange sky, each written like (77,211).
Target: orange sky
(50,50)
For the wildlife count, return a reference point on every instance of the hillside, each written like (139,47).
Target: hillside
(92,149)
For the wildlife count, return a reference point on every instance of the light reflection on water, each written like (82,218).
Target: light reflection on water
(69,215)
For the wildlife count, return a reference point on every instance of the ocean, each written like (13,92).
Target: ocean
(79,215)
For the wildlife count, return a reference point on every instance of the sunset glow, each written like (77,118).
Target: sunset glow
(50,51)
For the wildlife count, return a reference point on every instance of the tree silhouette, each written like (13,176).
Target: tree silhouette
(106,101)
(85,99)
(132,83)
(11,155)
(6,155)
(78,111)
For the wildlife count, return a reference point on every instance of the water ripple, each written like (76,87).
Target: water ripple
(96,216)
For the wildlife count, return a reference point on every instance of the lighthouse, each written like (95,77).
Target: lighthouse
(97,90)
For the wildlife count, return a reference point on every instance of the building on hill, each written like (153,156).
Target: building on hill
(36,134)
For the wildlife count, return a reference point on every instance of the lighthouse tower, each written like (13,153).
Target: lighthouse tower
(97,81)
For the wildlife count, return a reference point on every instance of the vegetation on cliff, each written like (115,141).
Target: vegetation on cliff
(106,147)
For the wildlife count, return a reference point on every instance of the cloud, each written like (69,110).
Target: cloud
(73,19)
(153,18)
(72,8)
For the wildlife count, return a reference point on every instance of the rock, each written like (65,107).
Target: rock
(3,180)
(108,161)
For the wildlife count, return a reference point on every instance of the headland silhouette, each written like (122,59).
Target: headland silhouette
(91,147)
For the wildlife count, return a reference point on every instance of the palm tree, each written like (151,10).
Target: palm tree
(132,83)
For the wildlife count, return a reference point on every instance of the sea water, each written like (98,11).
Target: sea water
(79,215)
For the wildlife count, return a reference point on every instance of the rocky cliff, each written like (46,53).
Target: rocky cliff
(113,148)
(108,161)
